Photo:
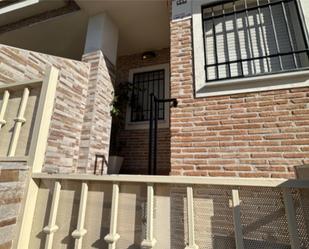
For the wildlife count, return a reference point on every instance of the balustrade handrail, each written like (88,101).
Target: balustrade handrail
(185,180)
(20,85)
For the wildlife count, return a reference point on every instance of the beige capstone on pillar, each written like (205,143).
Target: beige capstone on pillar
(101,53)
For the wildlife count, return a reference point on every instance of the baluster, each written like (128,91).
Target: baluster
(150,241)
(190,213)
(19,120)
(291,218)
(80,231)
(5,102)
(51,228)
(113,237)
(239,240)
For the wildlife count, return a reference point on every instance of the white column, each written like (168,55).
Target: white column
(51,228)
(102,34)
(80,231)
(190,213)
(239,240)
(113,236)
(5,102)
(149,242)
(19,120)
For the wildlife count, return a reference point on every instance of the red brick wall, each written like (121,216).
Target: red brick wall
(134,143)
(263,134)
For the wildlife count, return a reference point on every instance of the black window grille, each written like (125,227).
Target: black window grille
(247,38)
(144,84)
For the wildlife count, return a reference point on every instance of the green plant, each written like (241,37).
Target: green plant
(122,98)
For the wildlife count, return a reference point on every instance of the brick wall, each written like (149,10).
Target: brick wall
(12,184)
(80,126)
(97,120)
(134,143)
(65,131)
(81,117)
(263,134)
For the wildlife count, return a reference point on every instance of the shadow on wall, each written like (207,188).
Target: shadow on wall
(252,34)
(262,216)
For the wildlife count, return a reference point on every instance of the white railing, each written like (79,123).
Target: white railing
(179,212)
(24,107)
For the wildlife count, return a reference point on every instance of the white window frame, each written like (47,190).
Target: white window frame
(233,86)
(145,124)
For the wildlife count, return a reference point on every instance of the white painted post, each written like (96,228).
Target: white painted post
(113,236)
(239,240)
(150,241)
(291,218)
(190,211)
(80,231)
(5,102)
(51,228)
(19,120)
(37,154)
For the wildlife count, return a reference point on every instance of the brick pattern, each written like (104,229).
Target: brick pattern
(134,143)
(97,121)
(263,134)
(65,131)
(135,151)
(81,121)
(12,184)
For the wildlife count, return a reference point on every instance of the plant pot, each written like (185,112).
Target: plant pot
(114,164)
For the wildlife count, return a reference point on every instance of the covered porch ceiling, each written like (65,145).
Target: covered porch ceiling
(143,25)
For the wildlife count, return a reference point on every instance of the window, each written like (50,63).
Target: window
(237,42)
(144,84)
(146,80)
(253,37)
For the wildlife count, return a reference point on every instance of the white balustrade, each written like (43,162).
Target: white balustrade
(5,101)
(51,228)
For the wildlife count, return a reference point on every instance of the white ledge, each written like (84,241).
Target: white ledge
(14,159)
(188,180)
(255,84)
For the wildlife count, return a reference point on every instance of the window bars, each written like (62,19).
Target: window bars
(145,84)
(246,38)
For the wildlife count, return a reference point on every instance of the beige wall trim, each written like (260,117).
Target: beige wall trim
(37,153)
(149,242)
(239,240)
(20,85)
(14,159)
(19,121)
(189,180)
(80,231)
(4,105)
(113,236)
(51,228)
(43,119)
(291,218)
(190,219)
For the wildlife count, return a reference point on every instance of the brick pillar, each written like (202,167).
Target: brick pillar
(101,53)
(97,120)
(182,90)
